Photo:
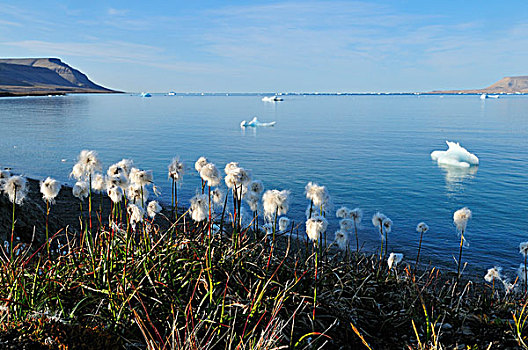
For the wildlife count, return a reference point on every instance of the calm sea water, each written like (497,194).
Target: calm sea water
(370,151)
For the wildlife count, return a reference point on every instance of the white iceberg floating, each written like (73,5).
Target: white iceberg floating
(254,123)
(455,155)
(272,99)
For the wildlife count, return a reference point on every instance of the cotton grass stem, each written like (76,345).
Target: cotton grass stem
(90,200)
(525,274)
(460,254)
(47,236)
(13,226)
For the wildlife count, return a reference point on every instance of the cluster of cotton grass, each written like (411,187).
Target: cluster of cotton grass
(126,186)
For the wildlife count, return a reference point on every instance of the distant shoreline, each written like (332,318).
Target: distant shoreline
(52,93)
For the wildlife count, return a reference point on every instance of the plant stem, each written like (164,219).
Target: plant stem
(47,237)
(460,254)
(525,273)
(419,248)
(90,200)
(357,240)
(13,225)
(315,284)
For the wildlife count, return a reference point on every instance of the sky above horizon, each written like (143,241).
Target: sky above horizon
(268,46)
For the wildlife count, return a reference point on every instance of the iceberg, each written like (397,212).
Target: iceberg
(455,155)
(272,99)
(254,123)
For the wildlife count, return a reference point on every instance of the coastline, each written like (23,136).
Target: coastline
(54,92)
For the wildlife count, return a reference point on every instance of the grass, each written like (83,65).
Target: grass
(157,289)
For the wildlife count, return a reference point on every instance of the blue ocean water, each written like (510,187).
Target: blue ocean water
(371,152)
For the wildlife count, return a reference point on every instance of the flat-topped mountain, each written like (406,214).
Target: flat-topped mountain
(43,76)
(506,85)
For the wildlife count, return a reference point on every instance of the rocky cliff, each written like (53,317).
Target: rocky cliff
(43,76)
(506,85)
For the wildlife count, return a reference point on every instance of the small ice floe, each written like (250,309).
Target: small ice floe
(455,155)
(146,94)
(272,99)
(485,96)
(254,123)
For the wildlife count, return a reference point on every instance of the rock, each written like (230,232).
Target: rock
(446,327)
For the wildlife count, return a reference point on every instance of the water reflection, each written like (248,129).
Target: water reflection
(250,130)
(455,177)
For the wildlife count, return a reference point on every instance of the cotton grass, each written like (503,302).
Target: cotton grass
(460,219)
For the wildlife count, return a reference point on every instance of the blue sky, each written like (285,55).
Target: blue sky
(257,46)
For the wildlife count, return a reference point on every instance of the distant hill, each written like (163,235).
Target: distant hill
(506,85)
(43,76)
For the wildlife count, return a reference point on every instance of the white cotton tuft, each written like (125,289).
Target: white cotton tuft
(200,163)
(115,193)
(153,208)
(141,177)
(341,239)
(119,180)
(422,227)
(342,213)
(356,214)
(493,274)
(394,259)
(523,248)
(256,186)
(275,203)
(135,214)
(284,223)
(315,226)
(137,193)
(377,219)
(50,189)
(16,189)
(252,199)
(210,174)
(199,207)
(77,171)
(176,169)
(217,196)
(99,182)
(89,161)
(387,225)
(346,224)
(126,165)
(231,167)
(317,194)
(461,218)
(238,177)
(81,189)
